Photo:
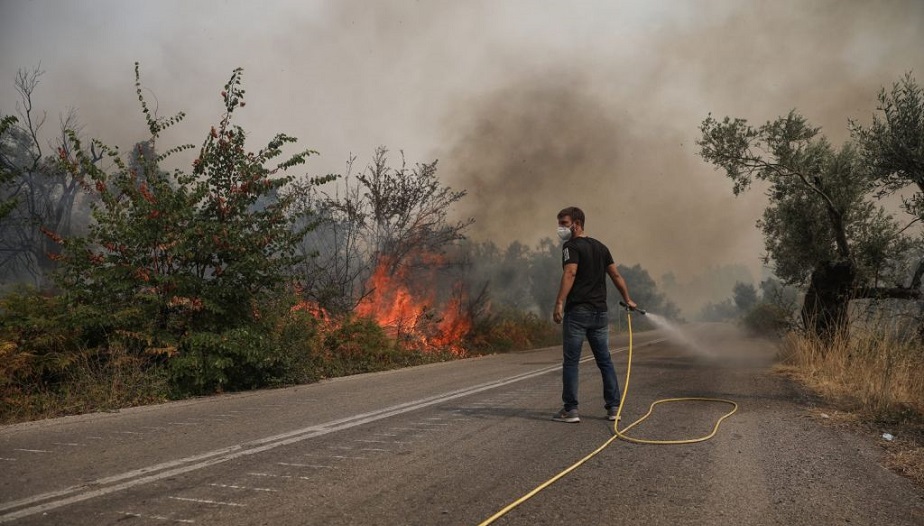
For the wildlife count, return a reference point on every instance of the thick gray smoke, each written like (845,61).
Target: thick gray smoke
(529,105)
(534,148)
(613,132)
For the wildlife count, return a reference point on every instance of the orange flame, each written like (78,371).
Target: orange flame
(410,317)
(310,307)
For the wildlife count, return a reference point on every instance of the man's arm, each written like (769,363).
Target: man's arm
(620,284)
(567,281)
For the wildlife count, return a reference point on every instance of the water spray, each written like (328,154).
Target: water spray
(619,434)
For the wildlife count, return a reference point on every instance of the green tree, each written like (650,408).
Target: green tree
(724,310)
(893,145)
(544,271)
(821,228)
(773,291)
(39,195)
(7,173)
(187,258)
(745,296)
(644,292)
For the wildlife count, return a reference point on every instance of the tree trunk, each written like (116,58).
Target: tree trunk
(824,311)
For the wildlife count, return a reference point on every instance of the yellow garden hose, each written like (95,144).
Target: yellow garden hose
(620,433)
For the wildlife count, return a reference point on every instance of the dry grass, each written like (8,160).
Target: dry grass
(909,462)
(874,380)
(875,374)
(89,385)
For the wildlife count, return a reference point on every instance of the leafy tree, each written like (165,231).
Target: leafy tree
(644,292)
(724,310)
(7,174)
(186,257)
(381,216)
(744,296)
(502,274)
(775,292)
(821,228)
(545,275)
(893,145)
(893,148)
(38,194)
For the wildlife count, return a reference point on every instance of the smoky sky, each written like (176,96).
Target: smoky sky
(530,106)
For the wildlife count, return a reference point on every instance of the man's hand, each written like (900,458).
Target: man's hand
(558,313)
(632,305)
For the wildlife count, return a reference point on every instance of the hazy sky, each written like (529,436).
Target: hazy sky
(529,105)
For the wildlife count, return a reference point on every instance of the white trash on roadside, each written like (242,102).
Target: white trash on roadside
(888,436)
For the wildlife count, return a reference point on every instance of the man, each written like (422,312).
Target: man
(581,307)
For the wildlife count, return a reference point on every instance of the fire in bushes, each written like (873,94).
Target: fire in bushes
(412,316)
(405,303)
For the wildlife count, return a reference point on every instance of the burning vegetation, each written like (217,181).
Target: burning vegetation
(404,302)
(416,318)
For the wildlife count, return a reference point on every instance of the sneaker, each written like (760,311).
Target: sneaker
(612,413)
(567,416)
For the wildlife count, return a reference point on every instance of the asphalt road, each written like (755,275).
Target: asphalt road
(453,443)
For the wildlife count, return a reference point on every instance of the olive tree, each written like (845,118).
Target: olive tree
(822,228)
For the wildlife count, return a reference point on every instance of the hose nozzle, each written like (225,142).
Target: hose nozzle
(628,308)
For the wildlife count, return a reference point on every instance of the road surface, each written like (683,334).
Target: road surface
(452,443)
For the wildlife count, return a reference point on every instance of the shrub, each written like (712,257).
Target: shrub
(38,339)
(511,330)
(767,320)
(52,361)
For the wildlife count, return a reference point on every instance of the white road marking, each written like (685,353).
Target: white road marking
(232,486)
(33,450)
(156,517)
(128,433)
(146,475)
(278,476)
(206,501)
(183,423)
(297,465)
(375,449)
(70,444)
(8,459)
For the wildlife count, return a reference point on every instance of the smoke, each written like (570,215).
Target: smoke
(533,148)
(530,106)
(614,132)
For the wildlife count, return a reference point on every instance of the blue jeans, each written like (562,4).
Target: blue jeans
(577,325)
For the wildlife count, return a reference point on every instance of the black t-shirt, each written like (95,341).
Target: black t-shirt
(592,258)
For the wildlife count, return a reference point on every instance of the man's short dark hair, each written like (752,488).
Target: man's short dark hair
(575,213)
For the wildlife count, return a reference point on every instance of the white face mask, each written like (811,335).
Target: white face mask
(564,233)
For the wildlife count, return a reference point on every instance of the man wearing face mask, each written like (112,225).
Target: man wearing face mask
(581,308)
